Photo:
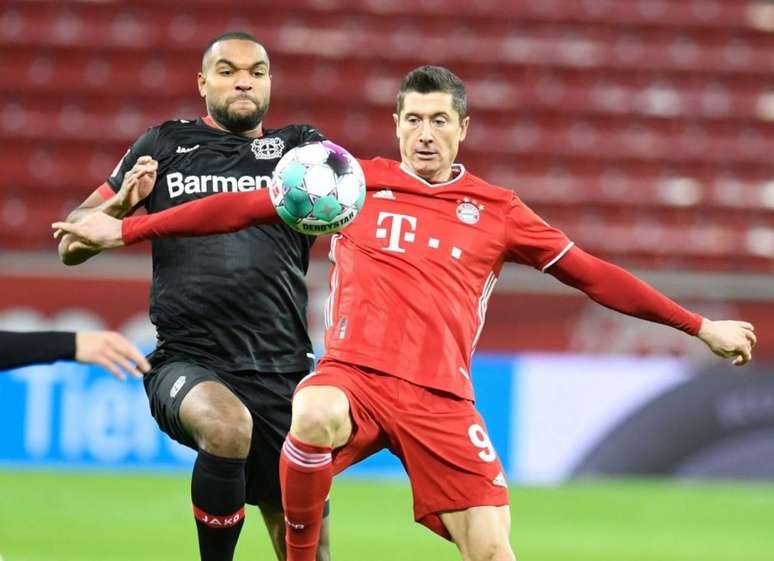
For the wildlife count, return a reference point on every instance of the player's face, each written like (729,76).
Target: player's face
(236,84)
(430,132)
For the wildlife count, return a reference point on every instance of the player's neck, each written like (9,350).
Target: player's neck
(257,132)
(441,176)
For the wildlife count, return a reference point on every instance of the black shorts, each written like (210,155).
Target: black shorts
(266,395)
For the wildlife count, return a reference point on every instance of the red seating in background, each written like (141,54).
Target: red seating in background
(643,128)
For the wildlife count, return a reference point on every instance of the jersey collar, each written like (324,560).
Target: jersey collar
(207,120)
(459,168)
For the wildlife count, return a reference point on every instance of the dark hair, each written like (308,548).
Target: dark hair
(429,79)
(228,36)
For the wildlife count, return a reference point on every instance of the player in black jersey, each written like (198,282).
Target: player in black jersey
(230,310)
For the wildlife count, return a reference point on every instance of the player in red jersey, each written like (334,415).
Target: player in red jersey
(410,282)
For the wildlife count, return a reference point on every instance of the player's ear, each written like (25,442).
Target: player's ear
(396,118)
(464,128)
(201,82)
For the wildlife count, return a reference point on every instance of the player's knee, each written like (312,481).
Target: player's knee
(317,422)
(226,434)
(489,548)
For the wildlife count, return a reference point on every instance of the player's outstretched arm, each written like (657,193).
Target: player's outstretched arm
(216,214)
(105,348)
(136,186)
(619,290)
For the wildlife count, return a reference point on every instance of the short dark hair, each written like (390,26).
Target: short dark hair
(429,79)
(229,36)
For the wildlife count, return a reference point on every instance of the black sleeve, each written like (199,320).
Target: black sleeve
(311,134)
(146,145)
(23,349)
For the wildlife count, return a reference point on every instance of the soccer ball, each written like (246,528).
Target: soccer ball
(318,188)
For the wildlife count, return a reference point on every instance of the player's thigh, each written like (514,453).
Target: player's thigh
(217,419)
(481,533)
(274,519)
(449,457)
(191,404)
(360,404)
(321,414)
(167,385)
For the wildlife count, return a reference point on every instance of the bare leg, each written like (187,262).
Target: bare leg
(481,533)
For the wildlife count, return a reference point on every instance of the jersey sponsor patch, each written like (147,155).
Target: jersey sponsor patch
(186,149)
(179,184)
(267,148)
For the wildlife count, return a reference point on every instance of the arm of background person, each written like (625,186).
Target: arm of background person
(108,349)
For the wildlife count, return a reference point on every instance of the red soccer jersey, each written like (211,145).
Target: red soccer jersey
(412,275)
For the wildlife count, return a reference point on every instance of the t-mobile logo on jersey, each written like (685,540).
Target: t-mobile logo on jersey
(397,233)
(395,230)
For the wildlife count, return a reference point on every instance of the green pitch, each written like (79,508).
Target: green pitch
(48,516)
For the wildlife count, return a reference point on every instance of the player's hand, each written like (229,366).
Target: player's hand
(96,232)
(729,339)
(112,351)
(138,182)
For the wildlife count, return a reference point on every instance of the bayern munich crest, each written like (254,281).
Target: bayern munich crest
(469,211)
(267,148)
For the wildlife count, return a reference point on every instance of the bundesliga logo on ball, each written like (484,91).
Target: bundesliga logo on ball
(318,188)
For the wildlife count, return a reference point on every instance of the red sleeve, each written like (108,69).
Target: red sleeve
(530,240)
(216,214)
(621,291)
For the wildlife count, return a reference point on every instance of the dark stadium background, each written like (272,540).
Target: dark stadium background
(643,128)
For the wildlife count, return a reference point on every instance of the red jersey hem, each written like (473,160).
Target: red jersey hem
(357,360)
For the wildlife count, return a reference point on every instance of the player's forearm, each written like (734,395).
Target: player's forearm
(115,206)
(619,290)
(21,349)
(71,256)
(216,214)
(75,255)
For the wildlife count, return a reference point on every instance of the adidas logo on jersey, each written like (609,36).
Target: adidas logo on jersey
(500,480)
(185,150)
(384,194)
(179,184)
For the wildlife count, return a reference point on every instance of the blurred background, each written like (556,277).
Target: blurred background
(642,128)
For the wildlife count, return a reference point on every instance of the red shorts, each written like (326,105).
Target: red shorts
(441,440)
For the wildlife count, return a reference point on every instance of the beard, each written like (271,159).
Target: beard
(239,122)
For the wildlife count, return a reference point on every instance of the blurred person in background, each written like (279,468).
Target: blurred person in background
(108,349)
(230,310)
(412,276)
